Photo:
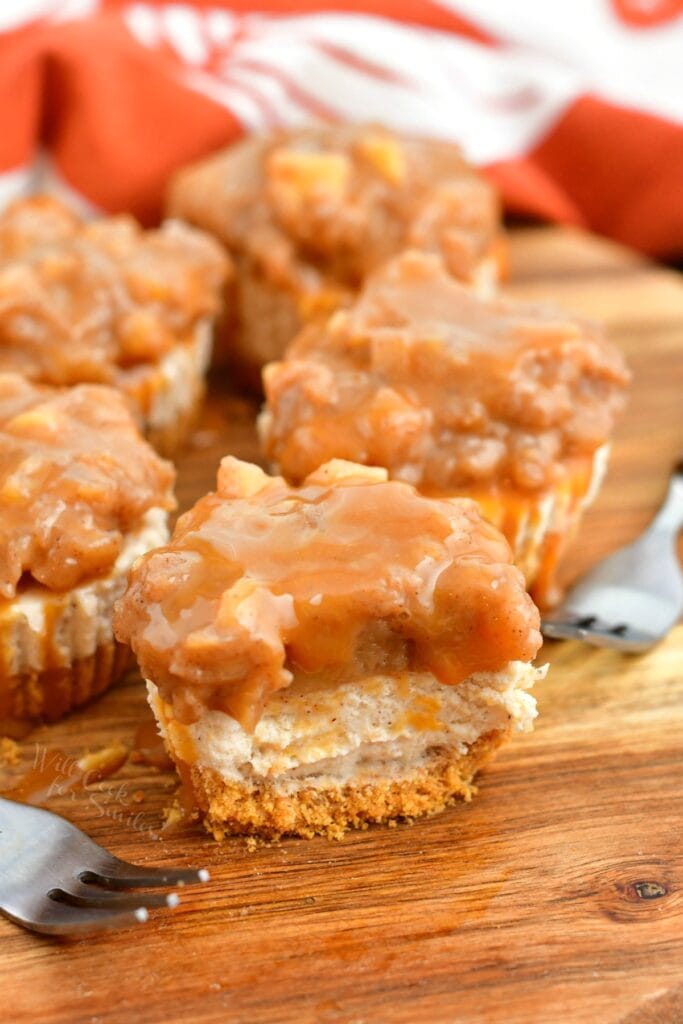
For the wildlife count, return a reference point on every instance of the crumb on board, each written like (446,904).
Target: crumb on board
(254,843)
(9,752)
(173,814)
(103,763)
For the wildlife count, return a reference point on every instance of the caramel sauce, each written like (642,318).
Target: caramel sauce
(82,301)
(10,727)
(447,391)
(75,477)
(55,773)
(182,815)
(422,715)
(50,655)
(263,580)
(546,590)
(41,781)
(148,747)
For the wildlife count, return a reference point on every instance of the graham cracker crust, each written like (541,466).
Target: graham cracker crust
(232,808)
(46,696)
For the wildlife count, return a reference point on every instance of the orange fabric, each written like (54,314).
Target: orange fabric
(529,190)
(417,12)
(117,120)
(622,169)
(118,99)
(21,78)
(647,15)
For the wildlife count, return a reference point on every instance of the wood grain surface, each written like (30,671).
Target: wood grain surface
(556,896)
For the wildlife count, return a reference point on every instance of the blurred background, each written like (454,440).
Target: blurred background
(574,110)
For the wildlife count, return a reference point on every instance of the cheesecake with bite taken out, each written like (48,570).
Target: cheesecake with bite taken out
(324,656)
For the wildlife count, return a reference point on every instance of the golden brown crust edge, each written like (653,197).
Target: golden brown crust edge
(46,696)
(232,808)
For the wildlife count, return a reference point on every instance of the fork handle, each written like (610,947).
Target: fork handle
(669,519)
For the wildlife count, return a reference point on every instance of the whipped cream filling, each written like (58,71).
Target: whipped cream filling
(380,729)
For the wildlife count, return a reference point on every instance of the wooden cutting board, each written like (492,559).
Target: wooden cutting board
(556,896)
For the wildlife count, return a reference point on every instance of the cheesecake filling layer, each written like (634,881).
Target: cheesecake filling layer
(380,729)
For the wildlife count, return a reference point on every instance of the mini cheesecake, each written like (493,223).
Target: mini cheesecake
(81,496)
(510,404)
(321,657)
(106,302)
(307,213)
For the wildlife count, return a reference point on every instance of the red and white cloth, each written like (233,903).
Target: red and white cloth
(575,110)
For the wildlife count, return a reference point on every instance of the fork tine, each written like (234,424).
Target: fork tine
(47,865)
(90,896)
(48,917)
(113,873)
(565,629)
(594,631)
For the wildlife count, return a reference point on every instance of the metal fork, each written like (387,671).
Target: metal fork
(55,880)
(633,598)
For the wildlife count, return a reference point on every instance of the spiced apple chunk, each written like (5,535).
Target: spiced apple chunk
(307,213)
(107,302)
(81,496)
(508,403)
(343,652)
